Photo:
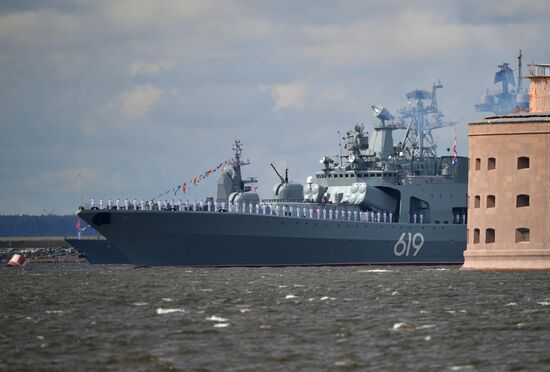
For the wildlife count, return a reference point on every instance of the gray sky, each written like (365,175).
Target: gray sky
(138,96)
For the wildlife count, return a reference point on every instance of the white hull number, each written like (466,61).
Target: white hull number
(403,245)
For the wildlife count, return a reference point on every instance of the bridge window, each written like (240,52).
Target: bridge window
(476,236)
(477,201)
(478,163)
(490,201)
(489,235)
(522,234)
(523,162)
(491,163)
(522,200)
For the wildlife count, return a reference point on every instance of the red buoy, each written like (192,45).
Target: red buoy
(16,260)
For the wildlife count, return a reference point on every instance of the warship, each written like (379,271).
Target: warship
(378,203)
(510,97)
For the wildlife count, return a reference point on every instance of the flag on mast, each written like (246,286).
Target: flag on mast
(78,228)
(455,158)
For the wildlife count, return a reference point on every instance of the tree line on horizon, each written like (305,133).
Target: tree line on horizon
(42,225)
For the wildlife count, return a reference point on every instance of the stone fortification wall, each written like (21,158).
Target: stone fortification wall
(509,193)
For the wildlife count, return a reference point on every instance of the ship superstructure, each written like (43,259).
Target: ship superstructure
(510,97)
(396,178)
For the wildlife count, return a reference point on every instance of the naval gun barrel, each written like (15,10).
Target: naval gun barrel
(283,180)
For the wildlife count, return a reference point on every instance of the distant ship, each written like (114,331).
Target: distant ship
(98,251)
(379,203)
(510,98)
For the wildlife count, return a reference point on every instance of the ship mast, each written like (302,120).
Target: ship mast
(419,119)
(238,180)
(520,87)
(237,149)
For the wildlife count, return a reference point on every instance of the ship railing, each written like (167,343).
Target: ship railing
(312,211)
(301,210)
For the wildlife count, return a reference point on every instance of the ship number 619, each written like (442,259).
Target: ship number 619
(403,245)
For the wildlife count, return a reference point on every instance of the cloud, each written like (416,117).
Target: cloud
(144,14)
(151,68)
(38,28)
(291,95)
(138,102)
(77,75)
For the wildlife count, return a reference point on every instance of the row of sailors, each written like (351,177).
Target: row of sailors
(143,205)
(266,209)
(319,213)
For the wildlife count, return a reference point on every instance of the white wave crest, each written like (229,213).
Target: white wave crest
(426,326)
(161,311)
(437,269)
(215,318)
(221,325)
(460,368)
(375,271)
(400,325)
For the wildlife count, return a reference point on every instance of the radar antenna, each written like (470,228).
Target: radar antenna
(419,120)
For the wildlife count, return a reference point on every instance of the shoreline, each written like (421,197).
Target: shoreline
(43,249)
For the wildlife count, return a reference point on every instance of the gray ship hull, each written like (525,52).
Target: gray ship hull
(98,251)
(168,238)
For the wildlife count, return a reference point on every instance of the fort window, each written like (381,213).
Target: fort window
(477,201)
(478,163)
(490,201)
(522,234)
(522,200)
(476,236)
(523,162)
(489,235)
(491,163)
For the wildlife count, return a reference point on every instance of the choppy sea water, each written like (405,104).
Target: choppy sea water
(77,316)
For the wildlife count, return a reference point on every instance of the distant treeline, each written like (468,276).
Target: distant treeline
(45,225)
